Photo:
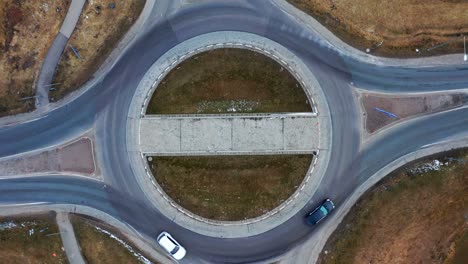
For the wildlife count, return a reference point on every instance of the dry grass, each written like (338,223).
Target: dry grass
(18,247)
(230,188)
(402,25)
(228,80)
(407,218)
(27,29)
(97,33)
(98,247)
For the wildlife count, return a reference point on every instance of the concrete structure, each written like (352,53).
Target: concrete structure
(226,135)
(251,134)
(72,249)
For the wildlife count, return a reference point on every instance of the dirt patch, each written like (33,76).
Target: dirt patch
(416,215)
(76,157)
(27,30)
(401,25)
(30,240)
(230,188)
(101,26)
(228,81)
(98,245)
(404,107)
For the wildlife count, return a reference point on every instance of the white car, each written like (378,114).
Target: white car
(171,246)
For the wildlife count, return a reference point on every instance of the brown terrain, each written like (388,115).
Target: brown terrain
(27,30)
(75,157)
(30,240)
(415,215)
(405,106)
(97,33)
(99,247)
(230,188)
(402,26)
(228,81)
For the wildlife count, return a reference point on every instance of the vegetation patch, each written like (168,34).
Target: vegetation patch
(27,30)
(230,188)
(228,81)
(394,28)
(30,240)
(101,246)
(101,26)
(416,215)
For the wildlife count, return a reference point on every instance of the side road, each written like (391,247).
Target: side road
(310,249)
(55,51)
(346,50)
(143,243)
(68,239)
(152,12)
(155,11)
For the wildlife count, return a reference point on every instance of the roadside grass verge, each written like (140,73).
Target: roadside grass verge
(30,240)
(402,25)
(99,247)
(228,81)
(27,30)
(230,188)
(101,26)
(413,216)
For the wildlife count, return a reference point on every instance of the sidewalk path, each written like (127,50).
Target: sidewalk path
(68,239)
(249,134)
(55,52)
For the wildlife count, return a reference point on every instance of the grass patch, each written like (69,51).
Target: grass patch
(398,23)
(27,30)
(30,240)
(230,188)
(227,81)
(410,217)
(98,247)
(97,33)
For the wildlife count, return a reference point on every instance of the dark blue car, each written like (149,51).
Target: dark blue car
(319,213)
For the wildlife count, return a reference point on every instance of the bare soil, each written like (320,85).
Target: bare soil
(402,25)
(31,240)
(230,188)
(27,30)
(75,157)
(405,107)
(100,28)
(228,81)
(411,217)
(98,247)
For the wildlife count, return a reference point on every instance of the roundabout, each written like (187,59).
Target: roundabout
(228,134)
(113,105)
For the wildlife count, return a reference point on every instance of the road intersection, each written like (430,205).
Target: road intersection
(104,105)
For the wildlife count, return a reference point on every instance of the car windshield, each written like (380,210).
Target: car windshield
(323,210)
(175,250)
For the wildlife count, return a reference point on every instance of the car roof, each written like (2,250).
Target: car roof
(320,211)
(166,243)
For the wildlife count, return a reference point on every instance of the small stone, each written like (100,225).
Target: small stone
(150,158)
(367,50)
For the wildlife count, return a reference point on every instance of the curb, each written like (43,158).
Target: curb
(314,247)
(141,97)
(145,244)
(346,50)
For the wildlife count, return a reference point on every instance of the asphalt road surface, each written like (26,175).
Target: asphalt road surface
(104,107)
